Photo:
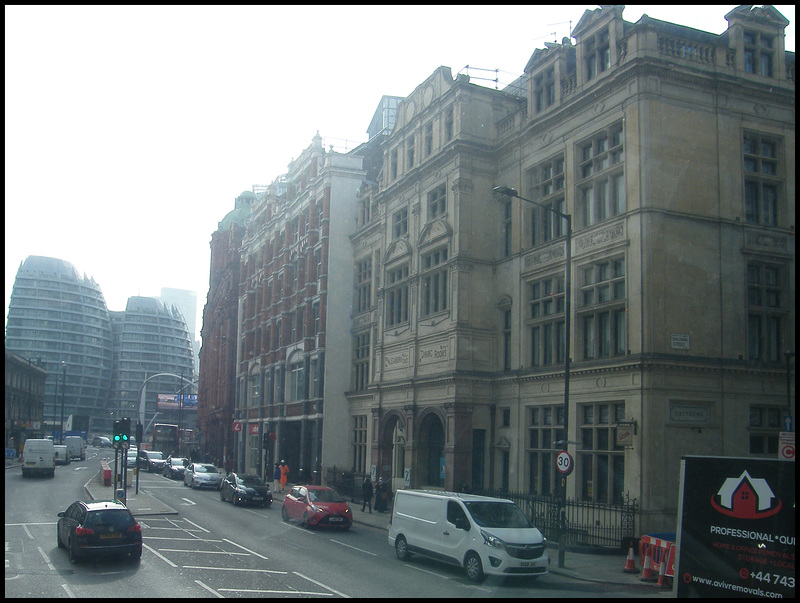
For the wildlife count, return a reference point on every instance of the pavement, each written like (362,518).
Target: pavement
(605,568)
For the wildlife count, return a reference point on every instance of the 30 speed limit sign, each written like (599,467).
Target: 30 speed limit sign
(564,463)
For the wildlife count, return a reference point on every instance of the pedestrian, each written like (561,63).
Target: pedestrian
(284,475)
(276,476)
(366,494)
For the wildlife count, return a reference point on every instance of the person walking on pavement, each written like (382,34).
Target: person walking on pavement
(366,494)
(276,476)
(284,475)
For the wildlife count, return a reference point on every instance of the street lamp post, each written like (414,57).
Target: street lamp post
(510,192)
(63,390)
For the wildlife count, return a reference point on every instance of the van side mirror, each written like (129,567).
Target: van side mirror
(462,523)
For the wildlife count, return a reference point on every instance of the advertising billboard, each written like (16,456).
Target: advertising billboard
(735,534)
(172,401)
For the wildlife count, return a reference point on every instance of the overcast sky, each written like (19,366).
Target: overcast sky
(131,130)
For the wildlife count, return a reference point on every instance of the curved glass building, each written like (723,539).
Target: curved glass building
(151,338)
(59,316)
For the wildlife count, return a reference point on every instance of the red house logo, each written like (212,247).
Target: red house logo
(746,497)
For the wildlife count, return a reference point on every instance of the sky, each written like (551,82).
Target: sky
(131,130)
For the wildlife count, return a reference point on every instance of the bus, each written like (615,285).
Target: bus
(165,438)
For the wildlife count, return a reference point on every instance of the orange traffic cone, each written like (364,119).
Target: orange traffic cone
(662,575)
(647,572)
(630,564)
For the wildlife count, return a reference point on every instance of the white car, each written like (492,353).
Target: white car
(130,460)
(200,475)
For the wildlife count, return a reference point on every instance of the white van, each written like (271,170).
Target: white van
(481,534)
(38,456)
(76,446)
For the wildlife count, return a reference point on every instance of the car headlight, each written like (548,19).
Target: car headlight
(492,541)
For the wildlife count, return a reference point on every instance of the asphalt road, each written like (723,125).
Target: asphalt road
(213,549)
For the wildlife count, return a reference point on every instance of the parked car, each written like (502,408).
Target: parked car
(199,475)
(317,506)
(89,528)
(244,489)
(175,467)
(153,461)
(62,454)
(102,442)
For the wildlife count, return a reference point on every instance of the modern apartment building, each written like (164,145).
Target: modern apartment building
(672,150)
(60,317)
(152,349)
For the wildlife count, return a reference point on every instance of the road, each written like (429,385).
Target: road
(213,549)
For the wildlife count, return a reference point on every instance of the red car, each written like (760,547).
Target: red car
(317,506)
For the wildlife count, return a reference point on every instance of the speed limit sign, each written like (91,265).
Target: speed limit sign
(564,463)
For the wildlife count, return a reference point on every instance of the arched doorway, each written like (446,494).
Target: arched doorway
(431,451)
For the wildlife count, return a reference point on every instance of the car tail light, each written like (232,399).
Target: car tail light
(81,531)
(135,528)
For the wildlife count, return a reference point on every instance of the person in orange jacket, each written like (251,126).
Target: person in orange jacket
(284,475)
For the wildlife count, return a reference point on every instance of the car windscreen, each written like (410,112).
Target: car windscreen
(205,469)
(155,456)
(119,518)
(324,496)
(178,462)
(497,514)
(250,480)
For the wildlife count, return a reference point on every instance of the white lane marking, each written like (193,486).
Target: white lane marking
(209,589)
(244,549)
(234,569)
(70,594)
(197,526)
(204,552)
(190,502)
(183,539)
(276,592)
(321,585)
(159,555)
(27,531)
(350,546)
(46,559)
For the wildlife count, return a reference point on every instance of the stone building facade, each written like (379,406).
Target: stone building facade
(673,151)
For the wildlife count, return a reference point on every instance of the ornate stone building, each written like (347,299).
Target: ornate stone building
(672,149)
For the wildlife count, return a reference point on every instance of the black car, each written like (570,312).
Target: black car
(92,528)
(153,461)
(175,467)
(245,489)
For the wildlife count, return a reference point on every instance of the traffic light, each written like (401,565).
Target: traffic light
(125,431)
(117,436)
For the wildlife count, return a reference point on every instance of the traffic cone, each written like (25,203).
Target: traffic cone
(630,564)
(662,575)
(647,572)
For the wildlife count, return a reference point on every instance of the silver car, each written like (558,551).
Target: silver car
(202,475)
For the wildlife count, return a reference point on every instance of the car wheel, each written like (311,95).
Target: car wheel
(284,514)
(73,554)
(136,555)
(401,548)
(58,538)
(473,567)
